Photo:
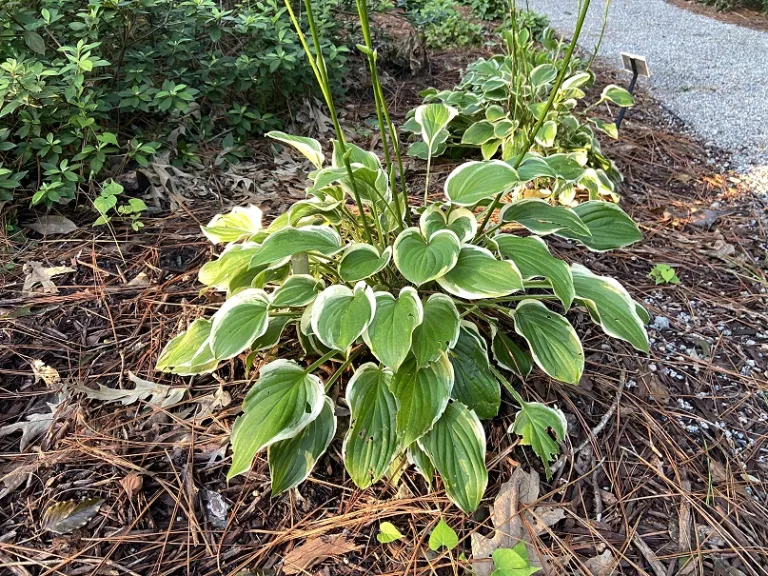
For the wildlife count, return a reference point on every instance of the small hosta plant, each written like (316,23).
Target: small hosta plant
(428,313)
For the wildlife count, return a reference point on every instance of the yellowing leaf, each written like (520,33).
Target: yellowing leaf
(388,532)
(64,517)
(443,536)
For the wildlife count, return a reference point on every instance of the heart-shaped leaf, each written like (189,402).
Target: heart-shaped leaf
(388,336)
(242,222)
(533,259)
(282,402)
(340,315)
(438,331)
(542,218)
(291,460)
(388,532)
(421,260)
(553,342)
(472,182)
(533,423)
(443,536)
(238,322)
(460,220)
(371,441)
(456,447)
(289,241)
(609,227)
(474,384)
(433,119)
(422,395)
(361,261)
(297,290)
(478,274)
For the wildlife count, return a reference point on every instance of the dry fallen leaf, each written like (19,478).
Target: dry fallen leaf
(36,274)
(602,565)
(36,424)
(150,392)
(64,517)
(52,224)
(132,484)
(211,404)
(315,550)
(512,525)
(45,373)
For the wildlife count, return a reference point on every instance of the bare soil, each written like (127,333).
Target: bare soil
(739,16)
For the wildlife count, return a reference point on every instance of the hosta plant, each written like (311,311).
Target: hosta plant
(427,313)
(499,101)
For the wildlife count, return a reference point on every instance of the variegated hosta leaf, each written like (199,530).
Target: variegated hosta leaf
(610,306)
(542,218)
(372,185)
(340,315)
(388,336)
(547,134)
(308,146)
(422,394)
(371,442)
(233,261)
(478,134)
(356,156)
(438,331)
(421,260)
(289,241)
(421,462)
(434,119)
(361,261)
(508,355)
(478,274)
(310,210)
(533,259)
(272,335)
(242,222)
(297,290)
(553,342)
(456,448)
(566,166)
(238,322)
(533,167)
(461,221)
(292,460)
(280,404)
(618,95)
(533,422)
(189,352)
(609,227)
(474,384)
(472,182)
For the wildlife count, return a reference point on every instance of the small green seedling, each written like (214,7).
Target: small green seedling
(664,274)
(513,562)
(443,536)
(388,532)
(108,201)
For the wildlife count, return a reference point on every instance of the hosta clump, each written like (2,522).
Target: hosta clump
(501,99)
(431,319)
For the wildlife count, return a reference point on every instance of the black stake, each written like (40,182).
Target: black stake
(631,89)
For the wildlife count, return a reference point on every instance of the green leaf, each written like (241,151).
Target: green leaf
(609,128)
(289,241)
(533,259)
(460,221)
(610,306)
(534,167)
(609,227)
(233,261)
(478,274)
(282,402)
(533,424)
(443,536)
(433,119)
(546,135)
(542,218)
(371,442)
(474,384)
(388,533)
(477,134)
(356,156)
(565,167)
(553,342)
(421,462)
(308,146)
(617,95)
(388,336)
(438,331)
(340,315)
(543,74)
(422,394)
(472,182)
(421,260)
(178,355)
(270,338)
(238,322)
(513,561)
(291,460)
(297,290)
(456,447)
(508,355)
(34,41)
(361,261)
(241,222)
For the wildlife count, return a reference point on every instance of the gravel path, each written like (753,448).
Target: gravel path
(713,75)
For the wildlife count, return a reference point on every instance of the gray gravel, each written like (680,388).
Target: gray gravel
(712,75)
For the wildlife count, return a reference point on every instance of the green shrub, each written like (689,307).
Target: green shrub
(489,9)
(442,25)
(435,313)
(500,100)
(96,84)
(726,5)
(532,21)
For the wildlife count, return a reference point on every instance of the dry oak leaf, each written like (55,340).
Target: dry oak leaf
(52,224)
(45,373)
(513,522)
(315,550)
(36,274)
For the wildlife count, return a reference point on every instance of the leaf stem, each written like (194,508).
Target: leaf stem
(319,362)
(340,371)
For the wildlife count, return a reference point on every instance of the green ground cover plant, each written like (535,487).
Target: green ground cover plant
(86,87)
(433,311)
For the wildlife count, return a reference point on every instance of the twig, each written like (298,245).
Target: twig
(649,555)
